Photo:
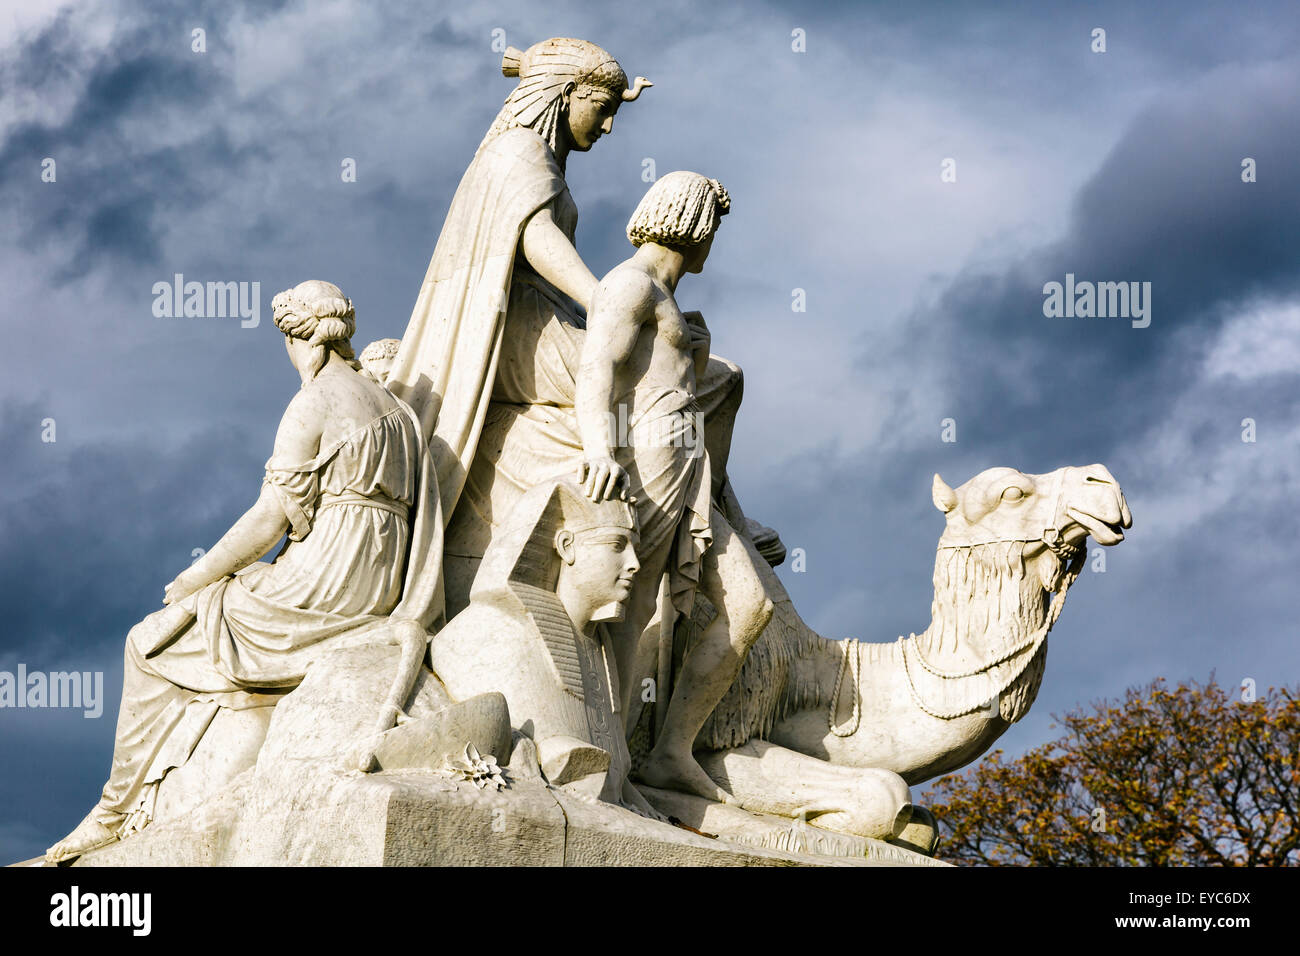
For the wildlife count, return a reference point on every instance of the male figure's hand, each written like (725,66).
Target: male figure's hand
(602,478)
(701,338)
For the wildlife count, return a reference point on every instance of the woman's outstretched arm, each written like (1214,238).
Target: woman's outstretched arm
(252,536)
(264,524)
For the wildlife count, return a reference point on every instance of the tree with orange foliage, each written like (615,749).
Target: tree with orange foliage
(1191,776)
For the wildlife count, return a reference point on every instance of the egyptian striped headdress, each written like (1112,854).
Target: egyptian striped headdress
(544,70)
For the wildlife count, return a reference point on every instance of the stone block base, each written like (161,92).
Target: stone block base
(312,816)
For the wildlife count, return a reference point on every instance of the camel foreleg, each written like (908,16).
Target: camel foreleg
(767,778)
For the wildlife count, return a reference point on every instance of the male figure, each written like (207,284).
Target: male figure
(641,429)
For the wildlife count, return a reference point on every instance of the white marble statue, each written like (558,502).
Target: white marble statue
(498,325)
(930,703)
(517,583)
(640,363)
(377,358)
(352,486)
(505,257)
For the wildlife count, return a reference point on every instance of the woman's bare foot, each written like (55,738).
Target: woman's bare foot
(669,771)
(98,829)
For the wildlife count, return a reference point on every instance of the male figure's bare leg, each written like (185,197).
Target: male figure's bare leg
(719,392)
(732,584)
(635,651)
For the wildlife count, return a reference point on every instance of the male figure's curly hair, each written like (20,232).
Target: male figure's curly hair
(681,209)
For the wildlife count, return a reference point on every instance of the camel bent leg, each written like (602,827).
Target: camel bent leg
(767,778)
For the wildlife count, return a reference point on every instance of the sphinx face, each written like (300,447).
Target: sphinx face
(603,570)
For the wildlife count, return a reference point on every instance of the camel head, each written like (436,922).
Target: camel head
(1052,514)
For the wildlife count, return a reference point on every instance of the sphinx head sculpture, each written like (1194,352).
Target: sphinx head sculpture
(560,541)
(596,546)
(559,565)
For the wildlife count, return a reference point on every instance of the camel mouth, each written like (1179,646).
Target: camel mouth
(1105,533)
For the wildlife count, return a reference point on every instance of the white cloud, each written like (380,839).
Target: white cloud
(1262,340)
(1195,464)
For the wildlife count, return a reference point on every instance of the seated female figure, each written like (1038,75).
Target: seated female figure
(351,483)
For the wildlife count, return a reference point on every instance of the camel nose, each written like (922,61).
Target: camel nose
(1100,474)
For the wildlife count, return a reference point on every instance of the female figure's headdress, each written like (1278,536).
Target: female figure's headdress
(544,70)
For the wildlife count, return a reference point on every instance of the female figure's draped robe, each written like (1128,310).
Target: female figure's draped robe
(447,362)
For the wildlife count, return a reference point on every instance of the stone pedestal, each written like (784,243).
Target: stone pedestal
(422,818)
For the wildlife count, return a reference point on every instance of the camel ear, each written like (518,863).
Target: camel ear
(945,499)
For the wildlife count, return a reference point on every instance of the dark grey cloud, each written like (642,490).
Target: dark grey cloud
(91,534)
(107,189)
(120,192)
(1168,207)
(1195,589)
(93,531)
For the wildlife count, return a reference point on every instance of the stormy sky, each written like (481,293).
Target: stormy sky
(924,297)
